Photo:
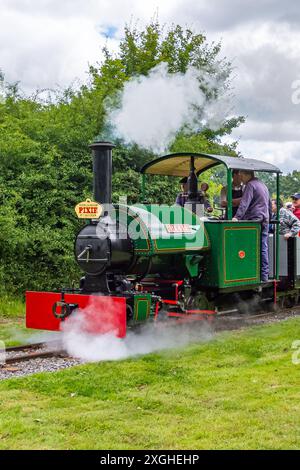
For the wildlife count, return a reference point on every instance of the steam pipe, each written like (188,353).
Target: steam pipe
(102,167)
(192,181)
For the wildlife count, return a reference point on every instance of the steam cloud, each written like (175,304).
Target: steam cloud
(80,342)
(154,108)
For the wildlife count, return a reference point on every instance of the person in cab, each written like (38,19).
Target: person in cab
(237,193)
(182,197)
(255,204)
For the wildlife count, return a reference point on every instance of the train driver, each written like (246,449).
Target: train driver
(255,204)
(182,197)
(204,188)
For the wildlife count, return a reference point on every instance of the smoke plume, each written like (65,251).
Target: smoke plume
(154,108)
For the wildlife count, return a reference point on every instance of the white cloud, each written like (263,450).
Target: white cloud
(265,130)
(220,15)
(267,62)
(48,42)
(45,43)
(285,155)
(42,51)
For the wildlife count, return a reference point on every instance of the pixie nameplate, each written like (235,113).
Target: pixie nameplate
(88,210)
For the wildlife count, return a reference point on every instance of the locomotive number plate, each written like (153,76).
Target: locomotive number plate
(179,228)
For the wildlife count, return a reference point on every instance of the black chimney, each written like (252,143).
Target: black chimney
(102,166)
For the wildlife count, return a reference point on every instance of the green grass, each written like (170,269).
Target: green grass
(13,331)
(12,321)
(238,391)
(11,307)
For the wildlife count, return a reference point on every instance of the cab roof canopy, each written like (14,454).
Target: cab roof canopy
(178,164)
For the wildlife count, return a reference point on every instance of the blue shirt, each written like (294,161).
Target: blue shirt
(255,203)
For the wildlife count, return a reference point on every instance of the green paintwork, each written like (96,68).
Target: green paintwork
(229,194)
(152,221)
(148,227)
(192,264)
(234,259)
(142,307)
(216,246)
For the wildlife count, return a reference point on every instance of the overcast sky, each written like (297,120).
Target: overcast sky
(46,43)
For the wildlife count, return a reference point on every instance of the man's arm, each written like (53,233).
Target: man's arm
(236,202)
(245,201)
(207,205)
(223,197)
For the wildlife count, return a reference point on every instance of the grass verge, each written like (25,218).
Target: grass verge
(241,391)
(11,307)
(12,321)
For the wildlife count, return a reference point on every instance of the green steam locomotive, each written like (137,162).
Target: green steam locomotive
(167,263)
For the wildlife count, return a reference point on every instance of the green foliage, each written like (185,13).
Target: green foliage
(290,184)
(45,161)
(11,308)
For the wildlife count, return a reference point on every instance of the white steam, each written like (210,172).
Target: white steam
(154,108)
(79,342)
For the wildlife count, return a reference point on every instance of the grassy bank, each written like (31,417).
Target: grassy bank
(240,390)
(12,320)
(11,307)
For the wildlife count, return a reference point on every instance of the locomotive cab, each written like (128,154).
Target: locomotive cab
(234,259)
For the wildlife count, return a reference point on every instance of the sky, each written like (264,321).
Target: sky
(50,43)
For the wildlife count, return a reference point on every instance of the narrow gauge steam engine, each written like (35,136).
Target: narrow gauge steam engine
(147,262)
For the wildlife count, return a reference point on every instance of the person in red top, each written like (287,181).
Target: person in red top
(296,204)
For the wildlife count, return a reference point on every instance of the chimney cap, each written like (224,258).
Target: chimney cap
(102,144)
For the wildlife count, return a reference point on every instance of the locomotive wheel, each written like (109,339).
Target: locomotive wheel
(199,301)
(246,306)
(290,301)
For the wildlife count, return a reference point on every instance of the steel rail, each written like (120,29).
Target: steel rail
(35,355)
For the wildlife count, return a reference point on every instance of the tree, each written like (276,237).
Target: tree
(290,184)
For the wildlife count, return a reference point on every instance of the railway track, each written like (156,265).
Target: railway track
(225,322)
(27,352)
(25,347)
(27,359)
